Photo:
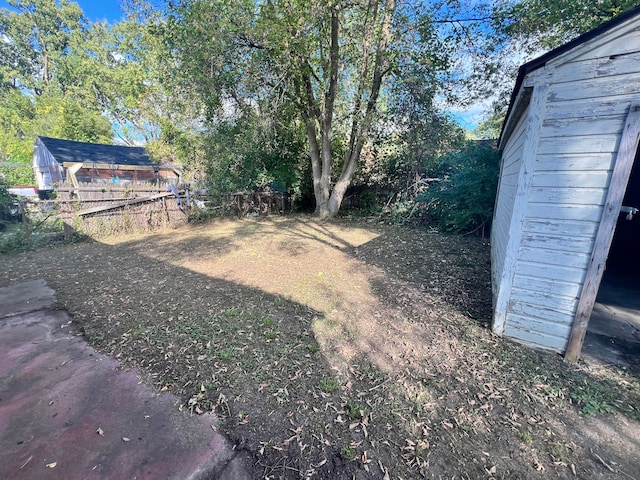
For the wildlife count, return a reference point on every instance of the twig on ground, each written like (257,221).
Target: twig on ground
(609,467)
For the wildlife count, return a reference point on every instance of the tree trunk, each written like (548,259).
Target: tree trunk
(360,130)
(320,186)
(328,200)
(321,157)
(45,72)
(340,188)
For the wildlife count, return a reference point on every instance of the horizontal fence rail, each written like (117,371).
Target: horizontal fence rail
(100,210)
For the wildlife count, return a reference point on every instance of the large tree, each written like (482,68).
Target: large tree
(512,32)
(543,24)
(331,60)
(40,94)
(36,35)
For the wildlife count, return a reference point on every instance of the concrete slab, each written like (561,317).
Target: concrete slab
(67,411)
(613,336)
(26,297)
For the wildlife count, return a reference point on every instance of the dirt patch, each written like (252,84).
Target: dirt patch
(343,350)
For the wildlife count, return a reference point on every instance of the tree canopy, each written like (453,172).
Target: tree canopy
(41,88)
(307,96)
(334,64)
(545,24)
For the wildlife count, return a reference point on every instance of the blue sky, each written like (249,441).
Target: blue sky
(94,10)
(101,9)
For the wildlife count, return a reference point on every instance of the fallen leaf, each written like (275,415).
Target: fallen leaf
(51,465)
(384,470)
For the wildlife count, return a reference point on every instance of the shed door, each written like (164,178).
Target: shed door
(613,336)
(627,152)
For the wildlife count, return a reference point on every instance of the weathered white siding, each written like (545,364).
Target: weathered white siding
(509,170)
(590,91)
(45,167)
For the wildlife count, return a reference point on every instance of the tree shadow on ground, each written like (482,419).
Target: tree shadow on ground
(250,356)
(378,367)
(454,269)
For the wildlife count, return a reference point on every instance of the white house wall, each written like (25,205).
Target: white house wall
(588,100)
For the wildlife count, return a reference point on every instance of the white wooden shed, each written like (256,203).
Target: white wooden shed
(568,145)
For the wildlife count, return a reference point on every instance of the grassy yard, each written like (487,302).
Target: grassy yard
(343,350)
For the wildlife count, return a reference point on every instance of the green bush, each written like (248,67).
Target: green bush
(462,202)
(17,175)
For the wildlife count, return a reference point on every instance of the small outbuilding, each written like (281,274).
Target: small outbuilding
(569,143)
(56,161)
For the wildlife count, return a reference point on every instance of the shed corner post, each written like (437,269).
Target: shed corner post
(537,105)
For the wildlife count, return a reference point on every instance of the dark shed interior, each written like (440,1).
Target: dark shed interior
(613,336)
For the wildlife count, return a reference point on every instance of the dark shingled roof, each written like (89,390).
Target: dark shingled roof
(80,152)
(541,61)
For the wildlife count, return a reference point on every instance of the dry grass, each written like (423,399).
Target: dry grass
(342,350)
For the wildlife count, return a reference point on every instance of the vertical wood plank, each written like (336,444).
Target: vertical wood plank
(617,187)
(532,138)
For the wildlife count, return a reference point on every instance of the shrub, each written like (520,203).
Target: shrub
(463,201)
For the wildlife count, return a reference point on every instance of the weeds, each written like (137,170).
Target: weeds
(226,354)
(329,385)
(559,452)
(525,436)
(348,453)
(357,411)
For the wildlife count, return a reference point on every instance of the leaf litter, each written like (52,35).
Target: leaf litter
(342,350)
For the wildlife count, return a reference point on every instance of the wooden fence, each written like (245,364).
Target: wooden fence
(97,210)
(107,210)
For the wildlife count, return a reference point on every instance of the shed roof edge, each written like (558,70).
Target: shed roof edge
(542,60)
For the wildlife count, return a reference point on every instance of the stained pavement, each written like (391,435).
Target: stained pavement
(68,411)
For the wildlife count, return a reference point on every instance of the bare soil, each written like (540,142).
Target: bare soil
(343,350)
